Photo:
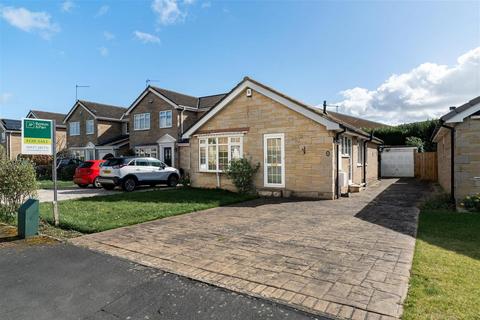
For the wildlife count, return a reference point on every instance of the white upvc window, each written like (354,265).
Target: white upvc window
(3,136)
(216,152)
(346,146)
(89,124)
(360,152)
(147,151)
(141,121)
(74,128)
(274,160)
(165,119)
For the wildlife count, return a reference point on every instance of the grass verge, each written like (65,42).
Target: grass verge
(95,214)
(445,280)
(48,184)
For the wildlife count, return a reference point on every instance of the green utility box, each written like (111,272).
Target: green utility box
(28,216)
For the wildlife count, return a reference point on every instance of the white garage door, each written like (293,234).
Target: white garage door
(398,162)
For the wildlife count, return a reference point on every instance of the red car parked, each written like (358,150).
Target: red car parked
(87,173)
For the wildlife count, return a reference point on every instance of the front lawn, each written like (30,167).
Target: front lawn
(445,281)
(48,184)
(101,213)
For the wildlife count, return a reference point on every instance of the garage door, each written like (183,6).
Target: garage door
(398,162)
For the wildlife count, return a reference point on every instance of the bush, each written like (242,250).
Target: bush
(17,183)
(415,142)
(242,172)
(66,173)
(37,160)
(472,203)
(43,172)
(441,201)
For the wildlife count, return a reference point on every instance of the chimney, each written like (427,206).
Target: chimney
(452,108)
(325,106)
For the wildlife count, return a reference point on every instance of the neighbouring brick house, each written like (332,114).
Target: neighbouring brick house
(96,131)
(459,166)
(61,128)
(157,119)
(296,145)
(11,137)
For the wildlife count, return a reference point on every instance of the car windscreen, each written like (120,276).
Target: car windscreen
(86,164)
(114,162)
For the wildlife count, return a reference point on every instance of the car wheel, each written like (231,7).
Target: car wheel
(129,184)
(97,184)
(82,185)
(172,180)
(108,186)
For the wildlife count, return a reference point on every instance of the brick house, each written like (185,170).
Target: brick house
(11,137)
(302,151)
(158,118)
(61,128)
(458,150)
(96,131)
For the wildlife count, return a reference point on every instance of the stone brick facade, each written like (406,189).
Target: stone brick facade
(309,147)
(467,158)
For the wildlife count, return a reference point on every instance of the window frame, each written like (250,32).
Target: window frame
(360,151)
(150,153)
(346,146)
(280,136)
(139,116)
(71,126)
(160,119)
(206,145)
(86,126)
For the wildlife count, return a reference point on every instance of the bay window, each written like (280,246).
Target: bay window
(215,153)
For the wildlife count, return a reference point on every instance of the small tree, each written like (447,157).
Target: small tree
(242,172)
(17,183)
(415,142)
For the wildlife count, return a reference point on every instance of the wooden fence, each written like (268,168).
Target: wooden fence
(426,167)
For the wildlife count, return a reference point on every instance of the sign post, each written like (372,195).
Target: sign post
(39,138)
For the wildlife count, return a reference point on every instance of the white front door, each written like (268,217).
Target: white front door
(274,160)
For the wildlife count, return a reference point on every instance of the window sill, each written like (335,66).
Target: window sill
(165,127)
(210,171)
(345,156)
(141,129)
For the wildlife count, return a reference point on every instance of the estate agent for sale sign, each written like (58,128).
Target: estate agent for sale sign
(37,136)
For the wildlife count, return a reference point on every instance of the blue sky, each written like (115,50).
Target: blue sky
(312,51)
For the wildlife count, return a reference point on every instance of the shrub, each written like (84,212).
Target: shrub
(441,201)
(66,173)
(43,172)
(185,180)
(37,160)
(472,203)
(17,183)
(415,142)
(242,172)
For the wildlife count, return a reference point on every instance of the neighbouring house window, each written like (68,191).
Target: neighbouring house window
(147,152)
(3,136)
(126,128)
(74,128)
(360,152)
(141,121)
(346,146)
(216,152)
(89,127)
(165,119)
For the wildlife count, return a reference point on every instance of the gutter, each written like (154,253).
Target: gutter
(365,153)
(337,182)
(452,160)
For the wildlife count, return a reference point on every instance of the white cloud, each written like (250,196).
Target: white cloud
(424,92)
(67,6)
(169,11)
(102,11)
(146,37)
(103,51)
(5,97)
(30,21)
(108,35)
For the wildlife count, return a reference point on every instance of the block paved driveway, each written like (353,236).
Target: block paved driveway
(348,258)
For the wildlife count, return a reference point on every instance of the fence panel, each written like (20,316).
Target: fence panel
(426,166)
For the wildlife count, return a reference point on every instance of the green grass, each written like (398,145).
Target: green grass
(101,213)
(48,184)
(445,282)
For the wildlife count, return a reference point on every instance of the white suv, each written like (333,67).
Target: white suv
(131,172)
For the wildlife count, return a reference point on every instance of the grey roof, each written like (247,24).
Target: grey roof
(460,109)
(190,101)
(58,117)
(12,125)
(357,122)
(104,110)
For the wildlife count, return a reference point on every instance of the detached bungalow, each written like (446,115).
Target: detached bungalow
(11,137)
(302,151)
(458,149)
(96,130)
